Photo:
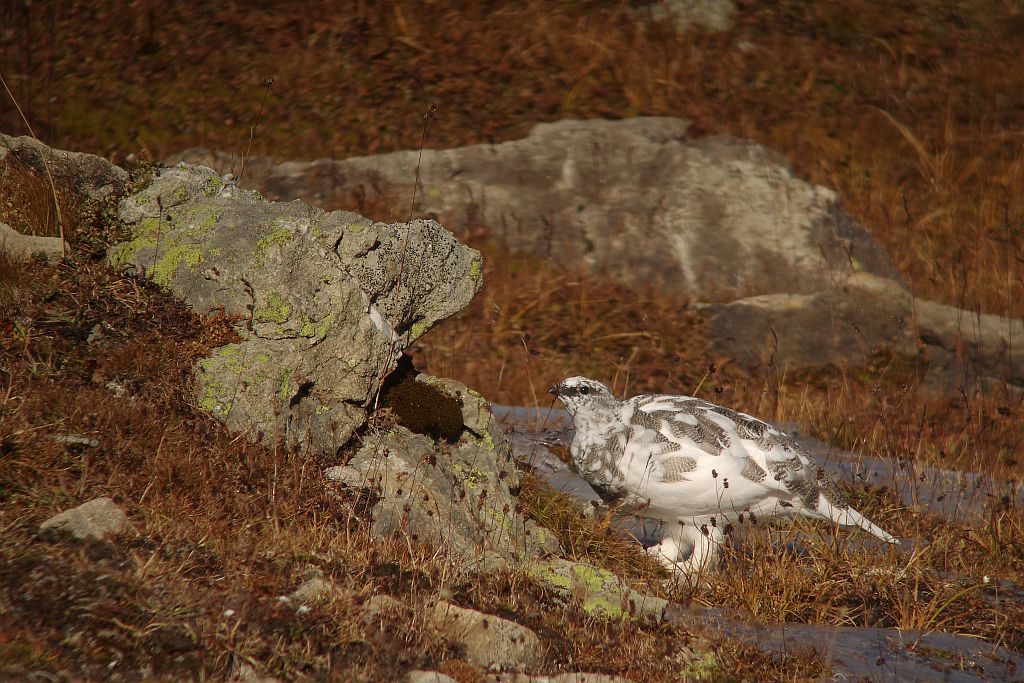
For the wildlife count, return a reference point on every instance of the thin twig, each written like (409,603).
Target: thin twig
(252,127)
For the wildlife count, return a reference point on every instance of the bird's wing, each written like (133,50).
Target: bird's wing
(688,439)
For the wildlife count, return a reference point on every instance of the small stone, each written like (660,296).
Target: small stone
(380,606)
(572,677)
(314,589)
(429,677)
(96,519)
(491,642)
(74,440)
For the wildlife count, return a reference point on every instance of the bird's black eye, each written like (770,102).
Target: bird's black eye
(584,390)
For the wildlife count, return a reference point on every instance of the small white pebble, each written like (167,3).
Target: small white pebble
(229,613)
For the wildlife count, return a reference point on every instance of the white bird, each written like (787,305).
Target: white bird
(696,467)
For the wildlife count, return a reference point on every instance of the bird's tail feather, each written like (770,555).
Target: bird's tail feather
(850,517)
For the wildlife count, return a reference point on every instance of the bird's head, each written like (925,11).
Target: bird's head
(583,394)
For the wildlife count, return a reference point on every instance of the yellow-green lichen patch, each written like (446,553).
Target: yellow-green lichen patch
(417,330)
(355,227)
(284,389)
(144,236)
(704,667)
(476,268)
(313,329)
(215,397)
(163,271)
(276,310)
(599,605)
(548,573)
(500,518)
(213,187)
(593,578)
(472,477)
(321,409)
(179,195)
(201,221)
(276,237)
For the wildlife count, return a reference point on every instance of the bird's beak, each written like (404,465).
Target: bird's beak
(553,390)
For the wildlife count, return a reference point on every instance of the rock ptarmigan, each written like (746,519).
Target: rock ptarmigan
(697,467)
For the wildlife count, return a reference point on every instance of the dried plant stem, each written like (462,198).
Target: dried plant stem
(49,174)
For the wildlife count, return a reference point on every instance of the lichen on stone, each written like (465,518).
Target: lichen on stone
(276,310)
(278,235)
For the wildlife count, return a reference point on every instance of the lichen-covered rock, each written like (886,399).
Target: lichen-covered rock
(490,642)
(458,498)
(326,301)
(598,591)
(461,497)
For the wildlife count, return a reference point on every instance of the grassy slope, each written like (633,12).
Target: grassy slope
(912,114)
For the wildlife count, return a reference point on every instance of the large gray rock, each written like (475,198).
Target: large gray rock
(711,218)
(460,498)
(326,301)
(865,315)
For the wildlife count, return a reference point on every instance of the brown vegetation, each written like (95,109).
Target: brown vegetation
(912,114)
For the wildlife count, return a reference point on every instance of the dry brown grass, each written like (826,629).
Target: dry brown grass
(911,113)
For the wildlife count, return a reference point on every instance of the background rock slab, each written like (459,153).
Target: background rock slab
(712,218)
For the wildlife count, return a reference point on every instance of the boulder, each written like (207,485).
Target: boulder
(710,219)
(865,315)
(325,302)
(96,519)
